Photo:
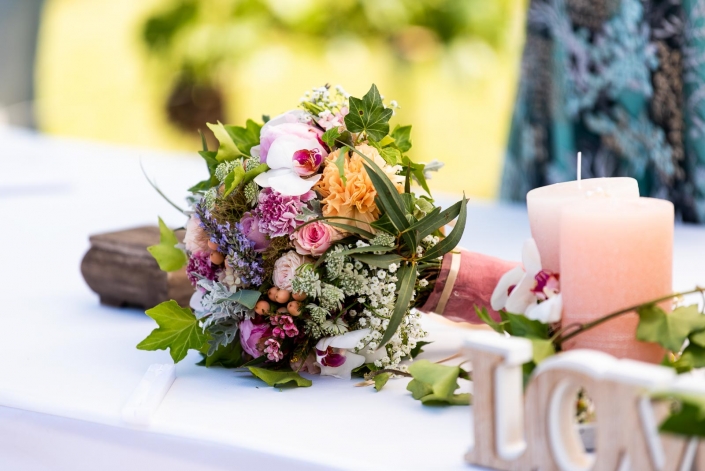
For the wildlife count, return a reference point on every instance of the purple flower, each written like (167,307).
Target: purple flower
(199,263)
(250,227)
(250,336)
(277,213)
(240,251)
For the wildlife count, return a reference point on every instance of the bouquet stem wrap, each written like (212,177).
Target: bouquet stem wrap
(467,279)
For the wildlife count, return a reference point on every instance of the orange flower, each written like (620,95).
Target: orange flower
(356,198)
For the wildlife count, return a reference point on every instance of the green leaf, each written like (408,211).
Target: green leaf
(251,174)
(245,138)
(369,248)
(391,155)
(211,181)
(385,224)
(542,349)
(435,384)
(227,150)
(692,357)
(485,317)
(204,144)
(405,288)
(280,377)
(380,380)
(379,261)
(167,255)
(668,330)
(519,325)
(330,136)
(454,400)
(340,163)
(688,418)
(227,356)
(418,349)
(389,199)
(246,297)
(369,115)
(417,172)
(402,137)
(349,228)
(233,179)
(449,243)
(178,331)
(698,338)
(443,218)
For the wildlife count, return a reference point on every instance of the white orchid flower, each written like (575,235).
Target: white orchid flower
(529,290)
(287,156)
(335,357)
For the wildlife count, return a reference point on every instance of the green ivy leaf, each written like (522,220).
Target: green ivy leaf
(280,377)
(178,331)
(369,115)
(435,384)
(251,174)
(418,349)
(485,317)
(227,149)
(405,288)
(233,179)
(668,330)
(380,380)
(521,326)
(687,418)
(330,136)
(245,138)
(167,255)
(542,349)
(402,137)
(391,155)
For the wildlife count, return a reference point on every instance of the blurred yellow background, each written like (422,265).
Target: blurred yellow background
(96,79)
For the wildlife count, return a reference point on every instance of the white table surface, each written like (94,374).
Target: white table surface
(68,365)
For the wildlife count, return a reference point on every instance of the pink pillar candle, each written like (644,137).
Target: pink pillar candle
(545,205)
(614,253)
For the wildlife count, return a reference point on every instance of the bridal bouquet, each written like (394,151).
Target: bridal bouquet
(307,248)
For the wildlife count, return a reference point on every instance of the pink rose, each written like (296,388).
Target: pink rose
(250,336)
(285,269)
(250,227)
(314,238)
(195,239)
(287,124)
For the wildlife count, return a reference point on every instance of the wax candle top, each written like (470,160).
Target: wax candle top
(545,205)
(622,187)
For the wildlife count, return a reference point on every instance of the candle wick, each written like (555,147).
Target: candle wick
(580,168)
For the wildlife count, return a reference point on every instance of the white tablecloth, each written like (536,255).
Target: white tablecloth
(68,365)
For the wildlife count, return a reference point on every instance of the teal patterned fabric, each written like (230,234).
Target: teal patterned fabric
(623,81)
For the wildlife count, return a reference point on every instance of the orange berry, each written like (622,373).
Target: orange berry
(217,258)
(282,296)
(262,307)
(272,293)
(294,308)
(212,245)
(299,296)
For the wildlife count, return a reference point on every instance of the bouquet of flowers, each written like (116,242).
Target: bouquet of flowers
(307,248)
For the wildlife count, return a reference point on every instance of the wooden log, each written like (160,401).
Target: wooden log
(123,273)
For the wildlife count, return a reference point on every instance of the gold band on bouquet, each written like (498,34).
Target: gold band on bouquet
(450,282)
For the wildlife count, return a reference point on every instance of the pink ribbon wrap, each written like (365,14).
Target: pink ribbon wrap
(467,279)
